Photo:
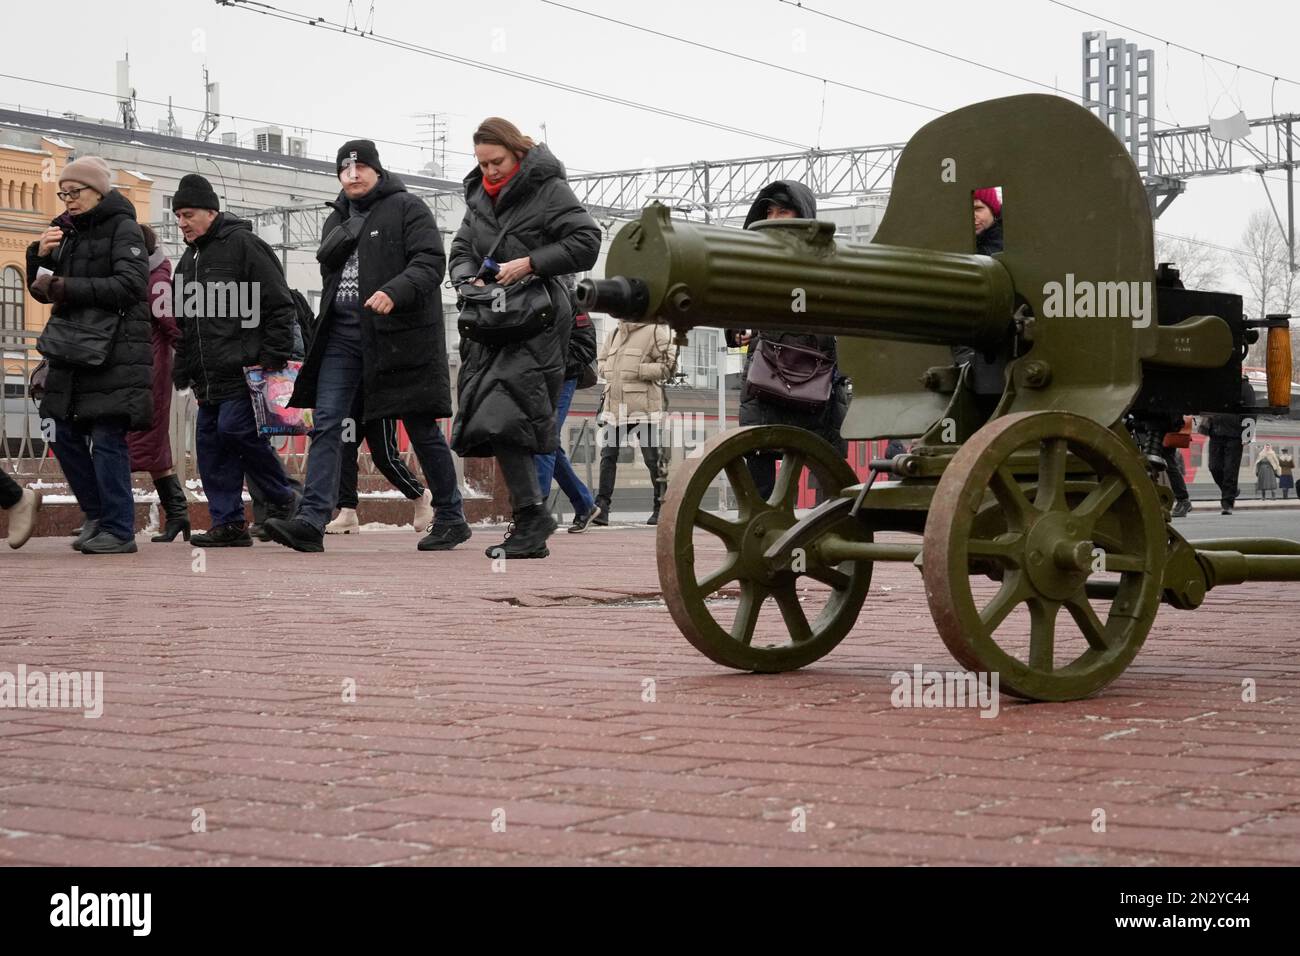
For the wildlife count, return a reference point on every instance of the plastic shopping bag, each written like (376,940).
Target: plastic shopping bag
(270,392)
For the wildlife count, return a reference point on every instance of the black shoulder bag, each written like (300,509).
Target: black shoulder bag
(494,314)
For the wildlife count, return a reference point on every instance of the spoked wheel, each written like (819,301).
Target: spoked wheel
(707,556)
(1043,555)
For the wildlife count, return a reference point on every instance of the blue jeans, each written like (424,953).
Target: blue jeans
(97,464)
(557,462)
(230,446)
(336,388)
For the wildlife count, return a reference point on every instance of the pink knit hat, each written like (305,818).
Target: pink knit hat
(989,197)
(89,171)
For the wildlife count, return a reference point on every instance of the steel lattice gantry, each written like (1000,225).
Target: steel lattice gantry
(1190,151)
(717,189)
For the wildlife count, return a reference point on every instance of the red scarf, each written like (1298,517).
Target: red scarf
(493,188)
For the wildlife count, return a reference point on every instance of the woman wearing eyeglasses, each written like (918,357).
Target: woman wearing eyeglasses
(91,264)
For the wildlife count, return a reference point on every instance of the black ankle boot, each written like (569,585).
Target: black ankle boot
(658,500)
(527,535)
(174,507)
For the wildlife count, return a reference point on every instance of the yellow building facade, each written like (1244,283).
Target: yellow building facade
(29,177)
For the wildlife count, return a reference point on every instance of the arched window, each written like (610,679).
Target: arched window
(11,306)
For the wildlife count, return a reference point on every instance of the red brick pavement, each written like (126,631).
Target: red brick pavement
(483,696)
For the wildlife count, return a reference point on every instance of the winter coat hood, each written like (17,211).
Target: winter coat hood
(805,203)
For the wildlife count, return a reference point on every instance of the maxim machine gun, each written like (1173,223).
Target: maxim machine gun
(1045,543)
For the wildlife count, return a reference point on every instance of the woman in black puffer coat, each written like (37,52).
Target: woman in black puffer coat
(94,257)
(786,199)
(508,394)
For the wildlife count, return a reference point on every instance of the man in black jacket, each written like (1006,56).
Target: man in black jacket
(381,331)
(234,310)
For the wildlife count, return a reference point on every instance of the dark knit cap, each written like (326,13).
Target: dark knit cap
(195,192)
(358,151)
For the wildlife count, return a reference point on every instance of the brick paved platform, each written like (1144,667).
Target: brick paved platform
(519,697)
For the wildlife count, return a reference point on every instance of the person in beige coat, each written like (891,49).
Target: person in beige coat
(1267,470)
(635,361)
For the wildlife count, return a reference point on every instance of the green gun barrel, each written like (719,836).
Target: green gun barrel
(792,274)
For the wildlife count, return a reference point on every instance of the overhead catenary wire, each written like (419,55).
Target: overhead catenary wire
(743,56)
(289,16)
(799,5)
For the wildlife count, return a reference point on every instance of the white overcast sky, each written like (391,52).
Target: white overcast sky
(298,76)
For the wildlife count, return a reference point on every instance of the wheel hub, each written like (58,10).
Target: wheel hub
(1057,556)
(759,535)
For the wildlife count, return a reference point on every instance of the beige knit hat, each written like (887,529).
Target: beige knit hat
(89,171)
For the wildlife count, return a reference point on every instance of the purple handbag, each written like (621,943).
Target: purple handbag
(792,375)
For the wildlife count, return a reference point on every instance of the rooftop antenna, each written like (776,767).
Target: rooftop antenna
(126,94)
(211,109)
(435,124)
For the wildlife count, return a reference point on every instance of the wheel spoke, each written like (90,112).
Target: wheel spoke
(752,595)
(786,489)
(1090,624)
(1005,549)
(725,574)
(1003,603)
(796,621)
(826,574)
(1042,634)
(1009,494)
(742,483)
(1051,476)
(728,531)
(1100,498)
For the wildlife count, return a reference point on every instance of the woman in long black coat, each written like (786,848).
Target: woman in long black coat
(93,257)
(508,394)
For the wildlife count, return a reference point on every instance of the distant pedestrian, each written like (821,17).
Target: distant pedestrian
(1227,434)
(636,362)
(1179,436)
(380,436)
(1267,471)
(787,199)
(151,449)
(578,368)
(1286,479)
(521,219)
